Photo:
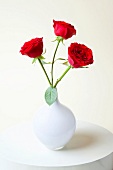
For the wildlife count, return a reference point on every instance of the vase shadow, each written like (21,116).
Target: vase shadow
(80,140)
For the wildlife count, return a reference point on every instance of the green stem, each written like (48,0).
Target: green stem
(44,71)
(58,80)
(53,62)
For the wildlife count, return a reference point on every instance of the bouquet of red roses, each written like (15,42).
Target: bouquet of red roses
(79,55)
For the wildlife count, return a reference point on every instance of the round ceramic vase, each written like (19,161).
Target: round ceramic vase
(54,125)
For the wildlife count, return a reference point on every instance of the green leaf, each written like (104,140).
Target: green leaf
(34,60)
(58,38)
(44,51)
(41,57)
(66,63)
(43,62)
(51,95)
(60,59)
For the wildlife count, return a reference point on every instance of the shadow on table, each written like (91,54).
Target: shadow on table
(80,140)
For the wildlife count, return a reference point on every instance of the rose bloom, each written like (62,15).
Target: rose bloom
(63,29)
(32,48)
(79,55)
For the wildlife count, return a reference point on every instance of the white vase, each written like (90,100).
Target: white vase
(54,125)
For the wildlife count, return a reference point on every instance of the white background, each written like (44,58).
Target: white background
(88,92)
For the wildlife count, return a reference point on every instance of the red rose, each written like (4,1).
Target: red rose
(63,29)
(79,55)
(32,48)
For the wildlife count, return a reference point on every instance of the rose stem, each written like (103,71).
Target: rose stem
(44,71)
(54,61)
(58,80)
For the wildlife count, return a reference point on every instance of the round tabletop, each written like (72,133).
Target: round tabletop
(90,143)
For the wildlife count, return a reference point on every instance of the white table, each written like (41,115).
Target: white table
(91,148)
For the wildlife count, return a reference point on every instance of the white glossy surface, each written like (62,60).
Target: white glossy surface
(54,125)
(102,164)
(90,143)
